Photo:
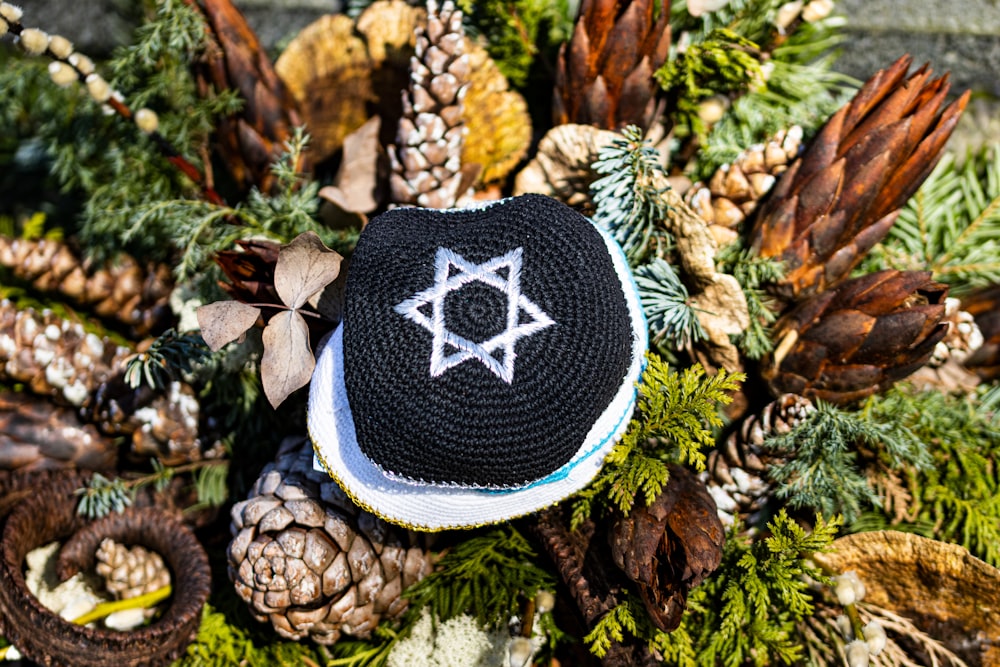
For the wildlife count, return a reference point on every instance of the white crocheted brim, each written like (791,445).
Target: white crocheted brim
(431,507)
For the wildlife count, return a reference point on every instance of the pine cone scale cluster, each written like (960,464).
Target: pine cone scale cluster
(842,197)
(850,342)
(604,74)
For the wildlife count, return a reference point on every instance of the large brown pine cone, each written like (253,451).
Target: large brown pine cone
(251,141)
(604,74)
(858,339)
(842,196)
(121,290)
(308,560)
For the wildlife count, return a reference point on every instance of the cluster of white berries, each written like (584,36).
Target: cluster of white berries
(810,12)
(68,66)
(849,590)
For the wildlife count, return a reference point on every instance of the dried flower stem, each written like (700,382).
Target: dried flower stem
(60,50)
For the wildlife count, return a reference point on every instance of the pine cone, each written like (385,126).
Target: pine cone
(984,306)
(53,356)
(311,562)
(122,290)
(842,196)
(851,342)
(737,470)
(670,546)
(426,162)
(735,189)
(129,572)
(945,371)
(37,435)
(251,141)
(604,74)
(57,358)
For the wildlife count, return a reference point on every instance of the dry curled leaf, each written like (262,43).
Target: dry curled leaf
(305,266)
(353,189)
(303,270)
(223,322)
(288,360)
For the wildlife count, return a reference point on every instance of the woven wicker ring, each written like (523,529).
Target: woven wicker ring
(42,636)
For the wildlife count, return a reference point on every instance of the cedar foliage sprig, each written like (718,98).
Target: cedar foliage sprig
(821,468)
(951,226)
(800,88)
(752,273)
(724,63)
(223,640)
(513,30)
(746,612)
(485,576)
(676,415)
(628,201)
(957,498)
(664,297)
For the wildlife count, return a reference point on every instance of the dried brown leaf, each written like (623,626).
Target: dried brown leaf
(354,187)
(288,362)
(305,266)
(223,322)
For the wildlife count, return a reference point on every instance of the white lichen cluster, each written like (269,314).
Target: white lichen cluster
(460,642)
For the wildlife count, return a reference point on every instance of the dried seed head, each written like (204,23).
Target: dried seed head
(10,12)
(520,652)
(34,41)
(817,10)
(147,120)
(844,590)
(875,637)
(98,88)
(62,74)
(857,653)
(82,63)
(787,13)
(60,47)
(545,602)
(4,27)
(845,627)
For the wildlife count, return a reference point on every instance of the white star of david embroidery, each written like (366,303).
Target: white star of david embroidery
(518,327)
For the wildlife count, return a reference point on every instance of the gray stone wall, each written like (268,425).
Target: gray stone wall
(960,36)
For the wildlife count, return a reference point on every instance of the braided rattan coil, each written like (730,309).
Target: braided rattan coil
(42,636)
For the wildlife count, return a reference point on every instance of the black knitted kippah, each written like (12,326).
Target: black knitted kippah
(480,346)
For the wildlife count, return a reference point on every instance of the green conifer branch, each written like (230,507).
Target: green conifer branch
(951,226)
(957,498)
(485,576)
(747,612)
(724,63)
(821,467)
(675,418)
(628,201)
(665,302)
(752,273)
